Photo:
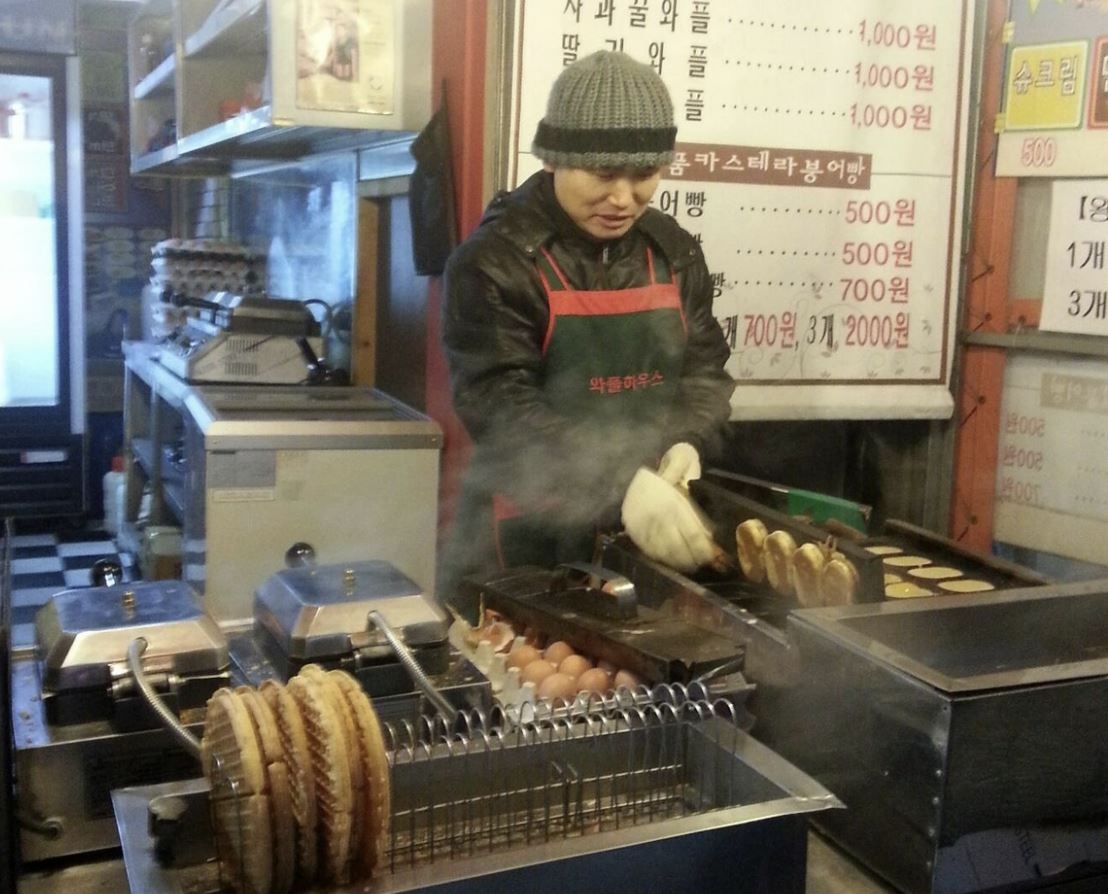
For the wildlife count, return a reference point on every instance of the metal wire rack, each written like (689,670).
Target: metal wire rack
(560,772)
(479,784)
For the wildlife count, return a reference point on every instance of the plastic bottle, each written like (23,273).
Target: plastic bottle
(114,481)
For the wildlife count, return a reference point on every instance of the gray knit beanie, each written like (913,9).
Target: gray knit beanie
(607,111)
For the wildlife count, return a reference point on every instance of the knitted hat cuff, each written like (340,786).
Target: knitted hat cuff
(633,142)
(606,110)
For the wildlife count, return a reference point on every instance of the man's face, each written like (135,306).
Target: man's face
(606,202)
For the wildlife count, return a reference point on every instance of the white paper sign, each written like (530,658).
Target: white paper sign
(819,162)
(1052,472)
(1075,297)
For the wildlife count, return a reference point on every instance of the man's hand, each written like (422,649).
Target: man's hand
(664,523)
(680,464)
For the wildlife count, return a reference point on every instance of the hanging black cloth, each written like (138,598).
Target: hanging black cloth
(431,196)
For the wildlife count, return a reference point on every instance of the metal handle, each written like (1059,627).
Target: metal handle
(623,601)
(407,659)
(134,661)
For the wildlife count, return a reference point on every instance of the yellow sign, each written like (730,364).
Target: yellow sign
(1045,86)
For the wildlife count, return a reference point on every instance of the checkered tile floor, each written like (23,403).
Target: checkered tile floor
(43,564)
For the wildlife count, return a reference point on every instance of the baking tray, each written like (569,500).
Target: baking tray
(942,552)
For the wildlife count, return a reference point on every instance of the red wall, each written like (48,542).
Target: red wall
(459,29)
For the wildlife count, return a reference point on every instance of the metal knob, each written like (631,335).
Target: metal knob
(300,555)
(106,573)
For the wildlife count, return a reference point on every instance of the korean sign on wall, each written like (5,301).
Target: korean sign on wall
(1055,118)
(820,163)
(1052,482)
(1075,296)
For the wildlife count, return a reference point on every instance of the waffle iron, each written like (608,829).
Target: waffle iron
(320,614)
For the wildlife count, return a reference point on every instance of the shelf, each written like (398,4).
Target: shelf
(143,451)
(172,479)
(222,46)
(238,27)
(160,158)
(253,137)
(160,82)
(173,496)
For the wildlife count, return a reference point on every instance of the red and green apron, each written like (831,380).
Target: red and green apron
(612,357)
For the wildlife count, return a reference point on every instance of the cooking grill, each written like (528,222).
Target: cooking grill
(82,727)
(604,615)
(478,803)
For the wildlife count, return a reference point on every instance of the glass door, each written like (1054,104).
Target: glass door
(41,368)
(31,350)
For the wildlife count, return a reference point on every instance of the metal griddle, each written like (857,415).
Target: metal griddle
(599,613)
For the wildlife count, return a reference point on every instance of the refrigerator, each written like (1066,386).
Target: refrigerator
(42,380)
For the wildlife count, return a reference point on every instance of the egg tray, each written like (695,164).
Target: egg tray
(942,552)
(653,643)
(726,509)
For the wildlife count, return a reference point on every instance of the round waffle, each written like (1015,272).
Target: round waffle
(265,723)
(282,823)
(349,730)
(374,755)
(330,762)
(234,766)
(301,778)
(283,828)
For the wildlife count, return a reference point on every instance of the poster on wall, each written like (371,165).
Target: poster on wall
(820,162)
(1054,121)
(1075,294)
(1052,480)
(345,56)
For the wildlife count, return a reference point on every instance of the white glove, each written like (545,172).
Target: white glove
(664,523)
(680,464)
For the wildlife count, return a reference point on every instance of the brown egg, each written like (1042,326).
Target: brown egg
(606,665)
(556,651)
(537,671)
(522,655)
(574,665)
(624,678)
(558,685)
(595,679)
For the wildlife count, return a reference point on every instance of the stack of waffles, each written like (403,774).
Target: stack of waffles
(299,779)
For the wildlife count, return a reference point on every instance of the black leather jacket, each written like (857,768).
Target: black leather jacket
(495,318)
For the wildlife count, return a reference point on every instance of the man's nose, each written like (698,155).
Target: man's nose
(620,192)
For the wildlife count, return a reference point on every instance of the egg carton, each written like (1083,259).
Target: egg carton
(517,699)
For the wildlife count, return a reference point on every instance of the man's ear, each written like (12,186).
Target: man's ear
(548,167)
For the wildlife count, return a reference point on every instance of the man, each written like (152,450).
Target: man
(582,348)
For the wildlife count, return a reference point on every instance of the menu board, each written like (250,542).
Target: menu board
(1055,118)
(820,162)
(1052,476)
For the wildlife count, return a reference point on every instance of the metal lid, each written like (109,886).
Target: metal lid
(323,610)
(82,635)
